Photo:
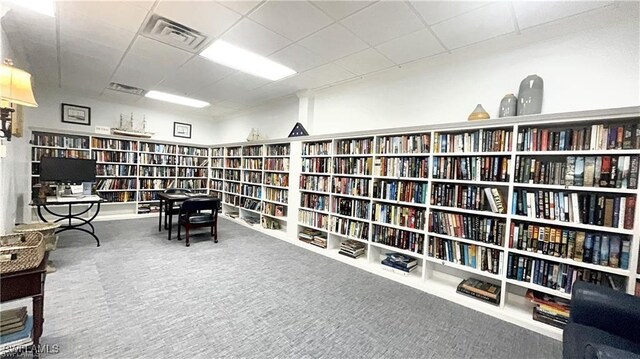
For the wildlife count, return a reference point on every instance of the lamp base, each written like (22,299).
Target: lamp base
(5,122)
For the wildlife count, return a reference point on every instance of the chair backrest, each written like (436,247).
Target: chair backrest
(200,204)
(177,190)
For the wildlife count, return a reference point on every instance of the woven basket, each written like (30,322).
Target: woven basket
(20,252)
(48,230)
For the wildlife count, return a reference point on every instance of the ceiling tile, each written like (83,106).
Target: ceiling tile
(481,24)
(329,74)
(196,74)
(83,46)
(206,17)
(333,43)
(341,9)
(436,11)
(411,47)
(240,6)
(297,58)
(120,97)
(118,14)
(365,62)
(37,29)
(230,87)
(383,21)
(255,38)
(291,19)
(43,62)
(81,27)
(85,73)
(532,13)
(301,82)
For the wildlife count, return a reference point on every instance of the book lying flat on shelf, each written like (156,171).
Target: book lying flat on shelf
(481,290)
(352,248)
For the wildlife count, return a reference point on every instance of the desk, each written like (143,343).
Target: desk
(25,284)
(171,199)
(70,215)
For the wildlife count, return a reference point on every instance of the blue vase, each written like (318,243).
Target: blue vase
(530,95)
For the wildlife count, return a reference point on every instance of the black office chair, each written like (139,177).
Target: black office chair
(191,215)
(170,211)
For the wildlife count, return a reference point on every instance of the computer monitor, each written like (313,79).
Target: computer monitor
(67,170)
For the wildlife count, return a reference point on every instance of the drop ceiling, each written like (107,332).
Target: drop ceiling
(93,43)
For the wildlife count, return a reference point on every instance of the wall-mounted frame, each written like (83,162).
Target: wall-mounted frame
(181,129)
(77,115)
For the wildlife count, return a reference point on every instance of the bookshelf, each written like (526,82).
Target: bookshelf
(116,168)
(216,171)
(315,187)
(276,186)
(192,168)
(232,179)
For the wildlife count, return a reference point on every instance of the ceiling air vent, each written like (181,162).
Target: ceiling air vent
(171,33)
(126,89)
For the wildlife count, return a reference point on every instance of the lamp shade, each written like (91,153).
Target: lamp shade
(15,86)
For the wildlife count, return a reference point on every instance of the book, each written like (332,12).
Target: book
(464,291)
(614,252)
(578,175)
(579,246)
(589,170)
(624,254)
(546,318)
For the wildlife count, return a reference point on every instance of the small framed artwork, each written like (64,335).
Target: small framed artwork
(79,115)
(181,130)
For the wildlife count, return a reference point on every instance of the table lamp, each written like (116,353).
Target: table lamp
(15,88)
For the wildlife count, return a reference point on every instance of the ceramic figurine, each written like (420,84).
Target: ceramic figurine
(478,114)
(508,106)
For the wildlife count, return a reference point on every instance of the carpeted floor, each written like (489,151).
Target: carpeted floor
(251,296)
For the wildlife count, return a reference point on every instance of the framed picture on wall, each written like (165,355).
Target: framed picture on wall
(181,130)
(78,115)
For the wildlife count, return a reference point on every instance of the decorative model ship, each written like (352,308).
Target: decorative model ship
(129,127)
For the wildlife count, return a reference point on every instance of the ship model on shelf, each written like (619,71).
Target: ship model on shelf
(484,291)
(398,263)
(549,309)
(129,127)
(352,248)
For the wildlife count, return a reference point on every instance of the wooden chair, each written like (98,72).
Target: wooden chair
(171,211)
(192,215)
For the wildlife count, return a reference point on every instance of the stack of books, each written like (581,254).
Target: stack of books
(352,248)
(478,289)
(15,329)
(398,263)
(549,309)
(313,236)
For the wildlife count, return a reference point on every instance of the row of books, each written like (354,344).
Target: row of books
(252,191)
(252,151)
(276,164)
(587,208)
(590,247)
(354,146)
(118,196)
(192,151)
(417,167)
(398,238)
(315,183)
(475,141)
(233,163)
(192,172)
(478,257)
(251,204)
(118,170)
(557,276)
(148,196)
(157,147)
(156,183)
(316,148)
(351,186)
(278,150)
(398,263)
(217,185)
(193,161)
(314,201)
(351,207)
(155,171)
(313,219)
(112,144)
(485,168)
(55,140)
(232,187)
(468,226)
(594,137)
(252,164)
(232,200)
(405,191)
(253,177)
(150,159)
(217,162)
(232,175)
(410,217)
(115,183)
(313,236)
(217,152)
(468,197)
(192,184)
(274,209)
(217,173)
(417,143)
(352,166)
(233,151)
(276,179)
(590,171)
(316,165)
(270,223)
(349,227)
(477,289)
(549,309)
(278,195)
(38,153)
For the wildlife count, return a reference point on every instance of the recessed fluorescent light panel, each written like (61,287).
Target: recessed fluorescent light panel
(44,7)
(167,97)
(246,61)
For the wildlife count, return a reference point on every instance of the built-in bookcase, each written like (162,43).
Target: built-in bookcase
(232,178)
(192,168)
(216,171)
(275,180)
(116,168)
(315,187)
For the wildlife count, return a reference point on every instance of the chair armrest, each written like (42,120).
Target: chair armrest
(600,351)
(606,309)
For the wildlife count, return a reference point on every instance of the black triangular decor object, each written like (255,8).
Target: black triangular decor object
(298,130)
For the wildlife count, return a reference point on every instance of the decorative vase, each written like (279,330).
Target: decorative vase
(530,95)
(478,114)
(508,105)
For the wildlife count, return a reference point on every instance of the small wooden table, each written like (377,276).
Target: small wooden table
(173,198)
(25,284)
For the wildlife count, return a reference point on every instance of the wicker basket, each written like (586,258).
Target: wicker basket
(20,252)
(48,230)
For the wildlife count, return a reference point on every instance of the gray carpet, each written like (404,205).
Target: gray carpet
(250,295)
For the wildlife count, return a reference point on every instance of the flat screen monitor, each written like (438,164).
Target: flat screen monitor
(67,170)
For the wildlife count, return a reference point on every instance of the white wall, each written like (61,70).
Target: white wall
(593,65)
